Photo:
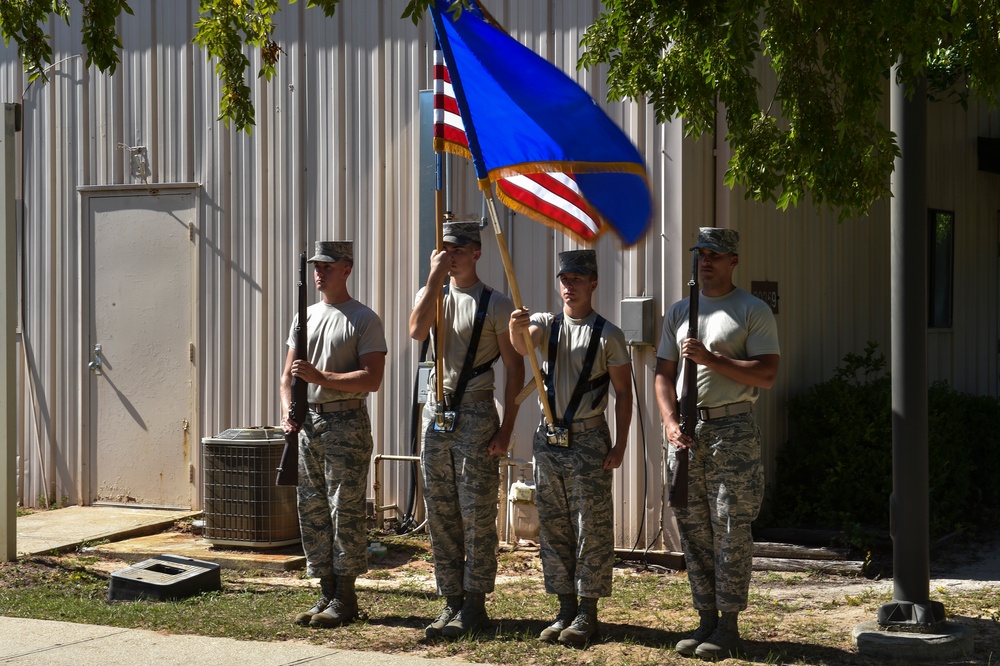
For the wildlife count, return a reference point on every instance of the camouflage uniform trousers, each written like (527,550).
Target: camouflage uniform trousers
(575,512)
(335,450)
(461,484)
(726,487)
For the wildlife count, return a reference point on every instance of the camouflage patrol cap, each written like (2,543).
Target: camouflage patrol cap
(581,262)
(461,233)
(718,240)
(331,251)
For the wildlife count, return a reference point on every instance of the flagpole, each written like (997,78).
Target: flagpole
(439,214)
(515,293)
(486,51)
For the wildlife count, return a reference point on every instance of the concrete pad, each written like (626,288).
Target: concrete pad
(286,558)
(60,530)
(943,643)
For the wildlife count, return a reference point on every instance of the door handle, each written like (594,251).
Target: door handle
(96,364)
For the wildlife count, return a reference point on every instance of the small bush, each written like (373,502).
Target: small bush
(964,453)
(835,472)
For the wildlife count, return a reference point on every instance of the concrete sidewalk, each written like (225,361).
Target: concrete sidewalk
(68,644)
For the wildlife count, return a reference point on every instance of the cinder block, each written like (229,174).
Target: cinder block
(164,577)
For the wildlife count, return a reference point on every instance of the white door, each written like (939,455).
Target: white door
(142,370)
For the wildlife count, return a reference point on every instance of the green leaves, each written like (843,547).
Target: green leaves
(802,83)
(224,29)
(415,9)
(100,36)
(328,6)
(22,21)
(231,32)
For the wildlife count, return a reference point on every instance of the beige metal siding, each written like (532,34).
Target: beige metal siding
(966,354)
(833,287)
(334,154)
(834,276)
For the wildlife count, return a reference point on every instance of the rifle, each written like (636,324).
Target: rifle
(288,468)
(678,493)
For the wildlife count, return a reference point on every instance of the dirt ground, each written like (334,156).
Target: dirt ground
(961,564)
(782,604)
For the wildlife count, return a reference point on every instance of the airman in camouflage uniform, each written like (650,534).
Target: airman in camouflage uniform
(460,455)
(737,356)
(573,474)
(345,362)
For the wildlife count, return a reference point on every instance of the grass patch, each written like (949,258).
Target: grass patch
(792,619)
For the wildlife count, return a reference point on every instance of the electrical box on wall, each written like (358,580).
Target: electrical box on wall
(637,321)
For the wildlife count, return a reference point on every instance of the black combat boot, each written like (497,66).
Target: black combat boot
(328,588)
(567,612)
(584,627)
(451,607)
(709,621)
(470,619)
(342,609)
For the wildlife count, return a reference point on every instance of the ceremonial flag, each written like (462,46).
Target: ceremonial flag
(553,198)
(553,153)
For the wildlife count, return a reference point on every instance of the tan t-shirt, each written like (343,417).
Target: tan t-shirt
(571,350)
(339,335)
(460,307)
(738,325)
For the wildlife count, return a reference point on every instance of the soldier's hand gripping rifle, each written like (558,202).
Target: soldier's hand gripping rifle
(677,495)
(288,468)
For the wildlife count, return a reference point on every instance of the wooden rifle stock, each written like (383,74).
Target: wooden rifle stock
(288,468)
(677,495)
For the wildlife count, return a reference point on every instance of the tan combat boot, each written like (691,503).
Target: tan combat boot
(583,630)
(567,612)
(470,619)
(709,621)
(303,619)
(452,605)
(342,609)
(724,642)
(328,588)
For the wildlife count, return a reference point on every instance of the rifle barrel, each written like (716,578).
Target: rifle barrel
(288,468)
(677,492)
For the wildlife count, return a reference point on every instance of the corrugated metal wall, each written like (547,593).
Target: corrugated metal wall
(834,279)
(334,154)
(966,354)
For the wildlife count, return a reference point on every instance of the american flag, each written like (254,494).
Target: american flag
(550,197)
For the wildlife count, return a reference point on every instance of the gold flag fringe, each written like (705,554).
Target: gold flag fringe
(558,166)
(519,207)
(446,146)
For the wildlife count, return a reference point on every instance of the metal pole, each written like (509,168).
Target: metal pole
(909,503)
(8,333)
(439,215)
